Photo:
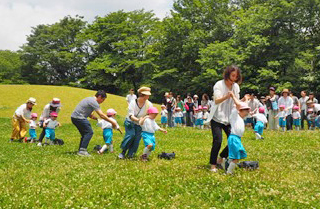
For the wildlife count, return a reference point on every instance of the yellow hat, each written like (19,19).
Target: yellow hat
(144,90)
(285,91)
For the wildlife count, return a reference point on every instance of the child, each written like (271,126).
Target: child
(199,118)
(50,125)
(260,124)
(149,127)
(107,131)
(164,116)
(236,149)
(311,119)
(178,116)
(32,127)
(296,117)
(205,116)
(282,115)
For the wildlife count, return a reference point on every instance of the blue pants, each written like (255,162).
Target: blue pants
(132,138)
(296,122)
(236,149)
(164,119)
(282,123)
(199,122)
(258,128)
(50,133)
(107,135)
(33,133)
(84,127)
(178,120)
(148,138)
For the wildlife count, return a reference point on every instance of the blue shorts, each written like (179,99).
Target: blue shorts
(282,123)
(258,128)
(32,133)
(236,149)
(178,120)
(148,138)
(296,122)
(107,135)
(199,122)
(50,133)
(164,119)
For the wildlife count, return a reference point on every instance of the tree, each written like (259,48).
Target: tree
(10,67)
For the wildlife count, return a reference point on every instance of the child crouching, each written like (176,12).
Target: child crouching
(149,127)
(236,149)
(107,131)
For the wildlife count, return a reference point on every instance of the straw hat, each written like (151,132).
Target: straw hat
(144,90)
(285,91)
(32,101)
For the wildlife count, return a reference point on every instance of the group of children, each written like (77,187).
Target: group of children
(200,115)
(49,124)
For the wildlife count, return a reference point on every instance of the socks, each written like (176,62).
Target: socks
(297,128)
(283,128)
(258,136)
(104,147)
(111,147)
(146,151)
(46,141)
(231,167)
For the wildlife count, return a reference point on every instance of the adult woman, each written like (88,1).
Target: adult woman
(189,110)
(205,101)
(53,106)
(221,110)
(272,102)
(136,110)
(19,119)
(287,101)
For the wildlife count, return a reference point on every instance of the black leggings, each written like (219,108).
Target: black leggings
(216,129)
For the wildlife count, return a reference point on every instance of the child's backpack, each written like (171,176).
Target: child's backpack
(58,142)
(167,156)
(97,147)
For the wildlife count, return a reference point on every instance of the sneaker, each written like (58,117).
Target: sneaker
(100,153)
(121,156)
(262,138)
(39,144)
(214,170)
(84,153)
(144,157)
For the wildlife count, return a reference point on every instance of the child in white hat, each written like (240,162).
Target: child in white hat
(149,127)
(107,131)
(178,115)
(164,116)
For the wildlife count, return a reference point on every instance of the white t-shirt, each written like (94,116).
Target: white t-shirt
(51,123)
(23,111)
(178,114)
(130,97)
(205,115)
(223,110)
(281,114)
(46,112)
(316,107)
(32,124)
(199,115)
(260,117)
(287,102)
(105,124)
(164,113)
(254,105)
(303,102)
(134,110)
(296,114)
(150,126)
(237,123)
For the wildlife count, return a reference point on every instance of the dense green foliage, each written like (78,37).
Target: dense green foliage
(275,42)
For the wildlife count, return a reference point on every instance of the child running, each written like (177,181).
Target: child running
(50,125)
(260,124)
(282,115)
(107,131)
(236,149)
(32,127)
(296,117)
(149,127)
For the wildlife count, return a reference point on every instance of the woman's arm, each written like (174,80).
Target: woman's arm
(141,121)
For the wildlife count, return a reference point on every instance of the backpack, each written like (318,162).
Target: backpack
(58,142)
(252,165)
(167,156)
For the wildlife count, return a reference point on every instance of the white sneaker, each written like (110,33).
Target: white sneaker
(84,153)
(39,144)
(121,156)
(214,170)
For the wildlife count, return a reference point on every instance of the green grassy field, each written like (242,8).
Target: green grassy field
(54,177)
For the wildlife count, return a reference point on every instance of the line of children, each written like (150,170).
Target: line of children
(149,127)
(107,131)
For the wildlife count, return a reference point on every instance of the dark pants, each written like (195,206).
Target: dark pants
(289,122)
(131,139)
(189,119)
(43,132)
(303,118)
(84,127)
(170,119)
(216,129)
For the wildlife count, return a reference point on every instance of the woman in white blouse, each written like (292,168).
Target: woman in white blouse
(137,109)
